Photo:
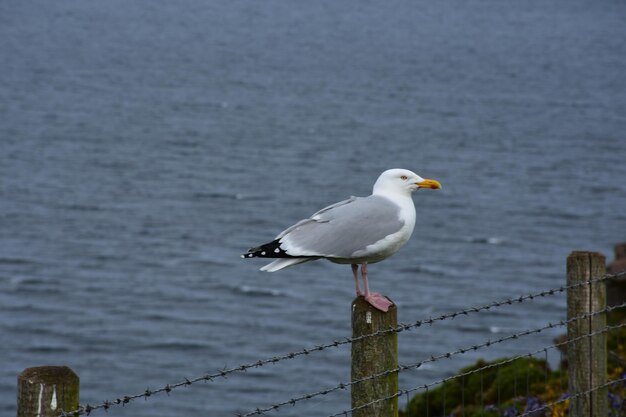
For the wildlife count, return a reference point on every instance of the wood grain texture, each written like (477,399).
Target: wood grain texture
(587,357)
(374,355)
(45,391)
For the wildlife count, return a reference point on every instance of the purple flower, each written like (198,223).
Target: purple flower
(534,407)
(615,401)
(511,412)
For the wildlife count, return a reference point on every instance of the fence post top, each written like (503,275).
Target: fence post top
(620,250)
(582,253)
(49,373)
(362,305)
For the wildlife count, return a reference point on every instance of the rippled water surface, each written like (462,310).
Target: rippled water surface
(145,145)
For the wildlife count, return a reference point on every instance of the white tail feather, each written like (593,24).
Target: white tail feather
(279,264)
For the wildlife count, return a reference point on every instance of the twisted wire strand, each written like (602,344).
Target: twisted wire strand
(481,369)
(105,405)
(446,355)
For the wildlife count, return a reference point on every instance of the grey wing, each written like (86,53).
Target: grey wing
(342,229)
(310,219)
(352,199)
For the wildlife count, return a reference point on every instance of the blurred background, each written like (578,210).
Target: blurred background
(145,145)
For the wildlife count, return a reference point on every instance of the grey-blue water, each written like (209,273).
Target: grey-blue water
(144,145)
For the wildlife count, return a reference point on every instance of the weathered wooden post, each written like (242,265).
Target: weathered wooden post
(619,264)
(587,356)
(374,355)
(45,391)
(616,288)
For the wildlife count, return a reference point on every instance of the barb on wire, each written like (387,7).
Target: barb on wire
(87,409)
(477,370)
(447,355)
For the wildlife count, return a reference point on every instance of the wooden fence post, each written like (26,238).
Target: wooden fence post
(587,356)
(45,391)
(374,355)
(616,288)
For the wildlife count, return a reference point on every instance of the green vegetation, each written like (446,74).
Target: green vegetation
(517,387)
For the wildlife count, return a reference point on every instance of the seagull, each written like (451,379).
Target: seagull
(356,231)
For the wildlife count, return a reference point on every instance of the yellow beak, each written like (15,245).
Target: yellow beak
(433,184)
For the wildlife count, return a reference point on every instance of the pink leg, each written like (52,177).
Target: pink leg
(355,270)
(365,283)
(376,300)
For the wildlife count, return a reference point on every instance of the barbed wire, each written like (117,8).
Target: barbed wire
(208,377)
(447,355)
(400,393)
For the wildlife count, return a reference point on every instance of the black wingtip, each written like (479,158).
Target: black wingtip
(268,250)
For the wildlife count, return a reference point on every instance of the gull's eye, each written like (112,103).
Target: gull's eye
(404,178)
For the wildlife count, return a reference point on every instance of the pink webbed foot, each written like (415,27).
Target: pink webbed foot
(378,301)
